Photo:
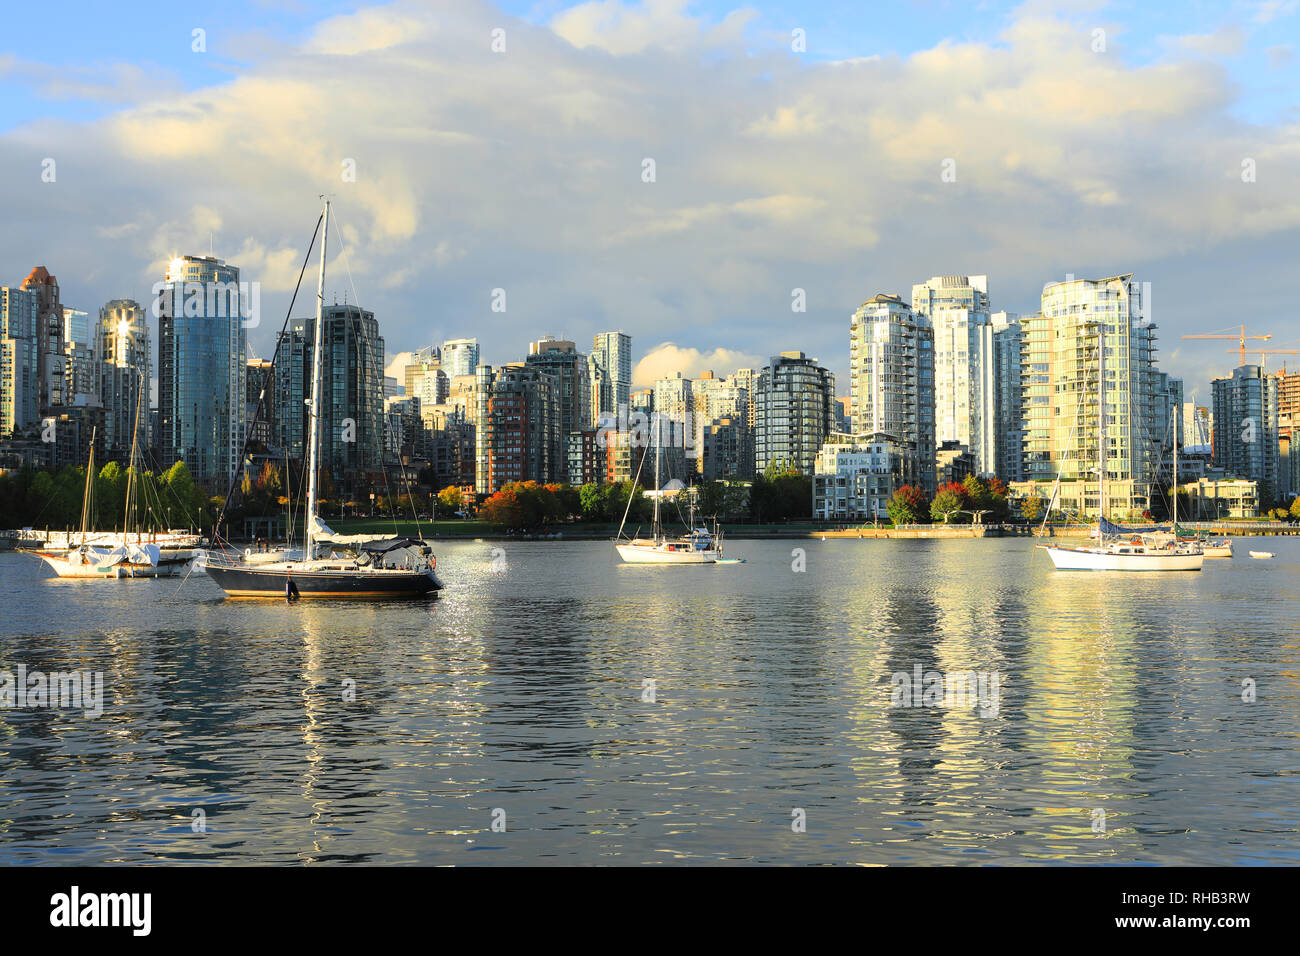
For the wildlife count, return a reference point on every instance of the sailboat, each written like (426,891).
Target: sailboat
(1211,546)
(1131,551)
(396,567)
(697,546)
(111,555)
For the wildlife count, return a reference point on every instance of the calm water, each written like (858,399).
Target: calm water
(520,690)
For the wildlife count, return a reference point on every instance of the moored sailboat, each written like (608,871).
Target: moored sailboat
(1135,551)
(128,554)
(397,567)
(697,546)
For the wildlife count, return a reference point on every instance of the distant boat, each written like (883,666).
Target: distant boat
(327,568)
(1261,554)
(697,546)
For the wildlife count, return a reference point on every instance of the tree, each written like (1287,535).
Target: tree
(987,495)
(110,494)
(268,480)
(781,493)
(907,505)
(451,498)
(503,509)
(948,500)
(1031,509)
(183,503)
(1295,508)
(593,498)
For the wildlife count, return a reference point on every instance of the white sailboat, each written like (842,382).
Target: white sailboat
(697,546)
(128,555)
(1135,551)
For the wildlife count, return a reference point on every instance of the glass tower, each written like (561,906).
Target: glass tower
(201,368)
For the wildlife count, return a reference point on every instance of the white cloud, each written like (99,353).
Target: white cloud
(667,359)
(396,367)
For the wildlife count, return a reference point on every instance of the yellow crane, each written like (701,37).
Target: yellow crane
(1240,339)
(1262,352)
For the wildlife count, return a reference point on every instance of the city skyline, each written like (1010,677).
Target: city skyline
(829,179)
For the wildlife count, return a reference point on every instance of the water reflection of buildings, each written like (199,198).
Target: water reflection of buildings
(1067,705)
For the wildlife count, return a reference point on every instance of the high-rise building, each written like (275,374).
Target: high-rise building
(612,352)
(292,386)
(714,400)
(795,397)
(965,397)
(450,445)
(726,449)
(202,393)
(517,427)
(1165,404)
(1288,434)
(1059,384)
(20,380)
(1245,428)
(352,392)
(673,400)
(49,335)
(1196,426)
(123,372)
(891,371)
(259,390)
(1008,464)
(459,357)
(602,391)
(562,361)
(428,382)
(82,356)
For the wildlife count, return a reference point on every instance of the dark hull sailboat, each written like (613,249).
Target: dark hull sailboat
(392,568)
(265,582)
(329,567)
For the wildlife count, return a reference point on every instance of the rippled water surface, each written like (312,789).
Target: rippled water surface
(519,692)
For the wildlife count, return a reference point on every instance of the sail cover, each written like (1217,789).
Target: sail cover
(1109,527)
(392,544)
(320,528)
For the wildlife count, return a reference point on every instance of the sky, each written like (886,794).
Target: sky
(794,146)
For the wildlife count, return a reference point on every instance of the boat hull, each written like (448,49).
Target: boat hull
(649,554)
(64,568)
(255,582)
(1097,559)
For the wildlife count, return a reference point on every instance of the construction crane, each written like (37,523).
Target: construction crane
(1262,352)
(1241,340)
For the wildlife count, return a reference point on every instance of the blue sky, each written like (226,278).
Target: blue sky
(777,170)
(90,32)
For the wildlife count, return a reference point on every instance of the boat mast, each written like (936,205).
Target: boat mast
(85,495)
(658,446)
(1101,422)
(130,468)
(314,407)
(1175,490)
